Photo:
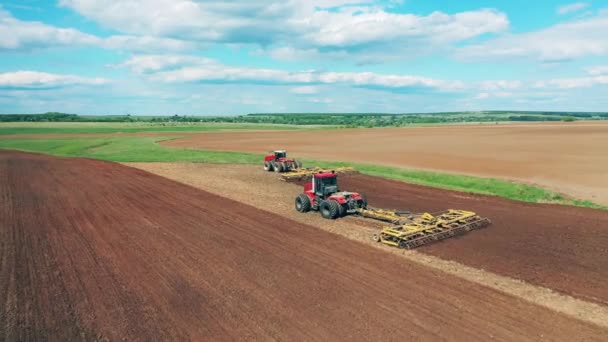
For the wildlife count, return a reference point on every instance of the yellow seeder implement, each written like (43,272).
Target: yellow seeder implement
(299,174)
(425,228)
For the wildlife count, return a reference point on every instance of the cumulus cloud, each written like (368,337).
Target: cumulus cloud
(572,8)
(293,28)
(19,35)
(193,69)
(36,79)
(564,41)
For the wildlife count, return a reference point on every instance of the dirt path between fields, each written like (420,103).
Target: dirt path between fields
(95,250)
(543,271)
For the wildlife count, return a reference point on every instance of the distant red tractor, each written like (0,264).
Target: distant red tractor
(277,161)
(323,195)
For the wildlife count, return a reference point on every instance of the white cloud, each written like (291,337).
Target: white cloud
(294,28)
(494,85)
(145,44)
(304,90)
(152,63)
(572,8)
(22,35)
(35,79)
(193,69)
(578,82)
(564,41)
(16,34)
(598,70)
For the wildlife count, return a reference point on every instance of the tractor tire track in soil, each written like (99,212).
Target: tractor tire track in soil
(96,250)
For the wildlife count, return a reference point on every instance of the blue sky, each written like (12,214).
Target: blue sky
(149,57)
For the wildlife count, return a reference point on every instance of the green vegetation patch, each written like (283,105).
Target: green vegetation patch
(147,149)
(126,149)
(109,128)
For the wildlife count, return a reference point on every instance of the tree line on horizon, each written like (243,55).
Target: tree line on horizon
(340,119)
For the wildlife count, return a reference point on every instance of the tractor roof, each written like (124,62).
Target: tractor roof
(326,175)
(280,151)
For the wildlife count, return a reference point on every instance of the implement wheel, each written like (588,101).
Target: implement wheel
(303,203)
(329,209)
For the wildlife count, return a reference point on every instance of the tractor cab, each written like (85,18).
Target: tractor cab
(281,154)
(324,184)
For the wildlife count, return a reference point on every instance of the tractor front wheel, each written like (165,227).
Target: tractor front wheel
(329,209)
(303,203)
(267,166)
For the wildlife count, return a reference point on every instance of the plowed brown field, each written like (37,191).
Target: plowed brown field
(567,157)
(559,247)
(91,249)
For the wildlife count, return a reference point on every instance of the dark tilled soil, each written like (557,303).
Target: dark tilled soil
(95,250)
(560,247)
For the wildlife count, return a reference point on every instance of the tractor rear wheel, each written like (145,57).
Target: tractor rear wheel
(278,167)
(284,166)
(297,164)
(329,209)
(303,203)
(267,166)
(341,210)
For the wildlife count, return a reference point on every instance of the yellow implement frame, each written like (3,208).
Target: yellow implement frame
(392,216)
(300,174)
(425,228)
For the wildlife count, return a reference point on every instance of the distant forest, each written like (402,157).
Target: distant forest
(341,119)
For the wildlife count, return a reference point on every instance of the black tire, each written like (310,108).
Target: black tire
(303,203)
(329,209)
(341,210)
(297,164)
(277,167)
(267,166)
(284,166)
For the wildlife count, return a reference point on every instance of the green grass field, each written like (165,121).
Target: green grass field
(13,128)
(125,149)
(147,149)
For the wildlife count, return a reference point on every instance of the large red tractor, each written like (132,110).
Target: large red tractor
(322,194)
(277,161)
